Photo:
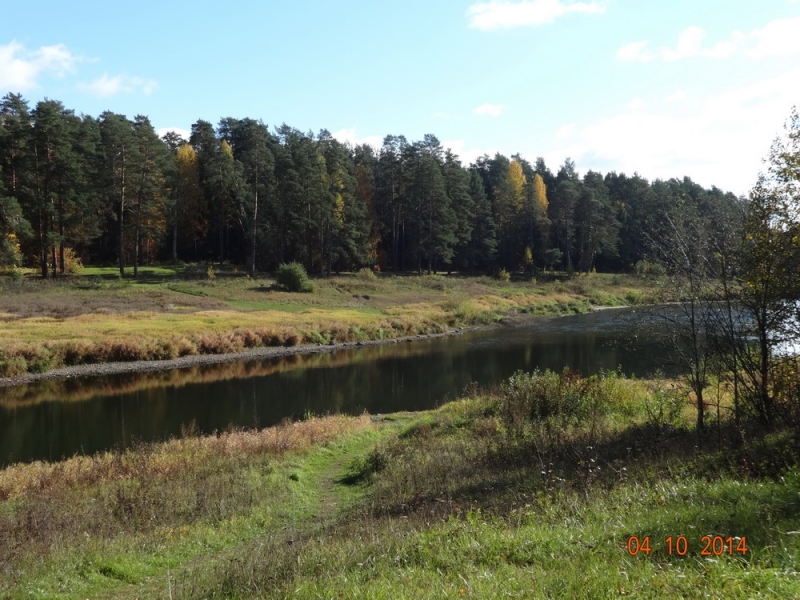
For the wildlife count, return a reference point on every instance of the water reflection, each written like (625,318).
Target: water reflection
(53,419)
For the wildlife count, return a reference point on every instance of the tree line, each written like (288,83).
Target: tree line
(109,190)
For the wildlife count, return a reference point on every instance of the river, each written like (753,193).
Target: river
(50,420)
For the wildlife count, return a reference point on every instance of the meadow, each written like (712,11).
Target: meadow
(98,317)
(531,489)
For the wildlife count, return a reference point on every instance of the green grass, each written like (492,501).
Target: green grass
(530,490)
(148,526)
(144,272)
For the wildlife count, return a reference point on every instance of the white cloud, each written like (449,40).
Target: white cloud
(492,110)
(184,133)
(349,136)
(718,140)
(565,131)
(20,69)
(677,96)
(467,155)
(105,86)
(777,38)
(636,104)
(504,14)
(635,51)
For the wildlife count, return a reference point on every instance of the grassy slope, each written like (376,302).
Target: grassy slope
(467,501)
(96,318)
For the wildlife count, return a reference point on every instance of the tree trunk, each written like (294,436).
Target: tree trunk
(175,236)
(122,220)
(42,247)
(137,240)
(255,233)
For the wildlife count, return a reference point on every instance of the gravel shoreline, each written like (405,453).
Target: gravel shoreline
(145,366)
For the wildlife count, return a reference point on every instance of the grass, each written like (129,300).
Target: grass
(169,312)
(531,489)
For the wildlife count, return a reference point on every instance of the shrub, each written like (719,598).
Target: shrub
(503,275)
(72,262)
(12,366)
(292,277)
(663,408)
(566,397)
(646,268)
(366,275)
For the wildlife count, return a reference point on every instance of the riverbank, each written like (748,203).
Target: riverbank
(151,366)
(78,321)
(533,490)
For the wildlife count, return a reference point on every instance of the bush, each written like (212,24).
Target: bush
(72,262)
(503,275)
(292,277)
(366,275)
(566,397)
(645,268)
(663,408)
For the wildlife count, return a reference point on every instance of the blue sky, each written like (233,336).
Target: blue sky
(697,87)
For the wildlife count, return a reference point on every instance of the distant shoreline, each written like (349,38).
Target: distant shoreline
(147,366)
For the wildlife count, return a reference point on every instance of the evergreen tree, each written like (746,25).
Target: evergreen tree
(15,168)
(148,187)
(250,141)
(483,241)
(365,162)
(56,173)
(431,219)
(12,225)
(596,223)
(119,150)
(391,181)
(349,243)
(456,183)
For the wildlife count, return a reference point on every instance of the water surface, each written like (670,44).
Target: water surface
(53,419)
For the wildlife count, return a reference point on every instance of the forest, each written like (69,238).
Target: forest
(108,190)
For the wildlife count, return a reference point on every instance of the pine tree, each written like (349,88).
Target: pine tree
(365,163)
(456,183)
(149,192)
(596,224)
(431,219)
(119,150)
(12,225)
(250,141)
(483,241)
(391,180)
(349,237)
(16,182)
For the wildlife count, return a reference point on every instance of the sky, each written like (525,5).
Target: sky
(696,88)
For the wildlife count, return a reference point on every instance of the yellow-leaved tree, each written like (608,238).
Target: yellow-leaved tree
(540,192)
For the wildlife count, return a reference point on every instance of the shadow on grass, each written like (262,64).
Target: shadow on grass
(439,476)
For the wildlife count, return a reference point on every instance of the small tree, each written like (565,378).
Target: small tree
(770,260)
(292,277)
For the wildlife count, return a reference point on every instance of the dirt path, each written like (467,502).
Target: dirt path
(322,512)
